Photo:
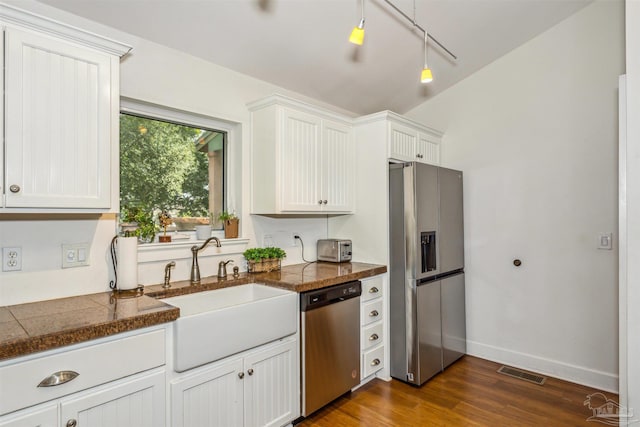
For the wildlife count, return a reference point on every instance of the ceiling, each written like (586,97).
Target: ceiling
(302,45)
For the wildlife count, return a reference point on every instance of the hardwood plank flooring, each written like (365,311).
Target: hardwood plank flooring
(468,393)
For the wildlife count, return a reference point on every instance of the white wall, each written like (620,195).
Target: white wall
(535,133)
(630,283)
(164,76)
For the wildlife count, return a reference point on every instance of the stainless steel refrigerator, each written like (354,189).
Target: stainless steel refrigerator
(427,295)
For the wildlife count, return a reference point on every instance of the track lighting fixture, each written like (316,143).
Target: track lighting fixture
(426,76)
(357,35)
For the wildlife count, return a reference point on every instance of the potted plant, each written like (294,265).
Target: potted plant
(264,259)
(137,222)
(230,222)
(165,220)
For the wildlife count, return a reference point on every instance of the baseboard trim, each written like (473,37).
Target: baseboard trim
(553,368)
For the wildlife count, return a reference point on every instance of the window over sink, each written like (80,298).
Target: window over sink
(171,161)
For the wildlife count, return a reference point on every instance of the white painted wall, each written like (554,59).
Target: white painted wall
(535,133)
(630,283)
(164,76)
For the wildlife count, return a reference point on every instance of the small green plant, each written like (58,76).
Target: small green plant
(225,216)
(258,254)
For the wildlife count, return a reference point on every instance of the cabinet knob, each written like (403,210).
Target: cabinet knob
(375,362)
(373,337)
(241,375)
(324,202)
(319,202)
(14,188)
(72,423)
(374,290)
(250,372)
(373,313)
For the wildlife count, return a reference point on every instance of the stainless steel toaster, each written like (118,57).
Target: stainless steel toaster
(334,250)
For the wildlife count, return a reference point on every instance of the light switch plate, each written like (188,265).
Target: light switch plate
(75,255)
(605,241)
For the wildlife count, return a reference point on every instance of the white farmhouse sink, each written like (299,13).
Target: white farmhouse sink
(219,323)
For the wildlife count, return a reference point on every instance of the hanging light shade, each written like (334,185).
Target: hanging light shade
(357,35)
(426,76)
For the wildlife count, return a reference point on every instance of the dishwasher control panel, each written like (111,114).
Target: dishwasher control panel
(321,297)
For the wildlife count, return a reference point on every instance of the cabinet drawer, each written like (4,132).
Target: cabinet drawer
(371,288)
(371,312)
(95,364)
(371,336)
(372,361)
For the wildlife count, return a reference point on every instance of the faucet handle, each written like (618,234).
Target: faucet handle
(222,269)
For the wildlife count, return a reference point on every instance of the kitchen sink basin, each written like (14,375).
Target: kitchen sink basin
(216,324)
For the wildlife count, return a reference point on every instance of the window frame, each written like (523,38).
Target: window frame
(163,113)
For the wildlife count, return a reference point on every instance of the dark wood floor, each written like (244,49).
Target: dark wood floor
(468,393)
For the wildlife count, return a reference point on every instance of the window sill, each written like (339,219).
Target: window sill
(181,249)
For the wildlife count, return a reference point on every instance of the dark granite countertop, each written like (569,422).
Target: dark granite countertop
(45,325)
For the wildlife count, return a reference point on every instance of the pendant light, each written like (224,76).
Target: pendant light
(357,35)
(426,76)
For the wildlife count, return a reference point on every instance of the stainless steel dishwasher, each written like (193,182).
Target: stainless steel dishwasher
(330,343)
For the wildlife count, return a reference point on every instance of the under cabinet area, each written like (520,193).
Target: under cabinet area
(257,388)
(60,111)
(302,159)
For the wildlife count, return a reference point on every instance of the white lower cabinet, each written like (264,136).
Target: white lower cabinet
(372,335)
(120,382)
(131,403)
(257,388)
(43,417)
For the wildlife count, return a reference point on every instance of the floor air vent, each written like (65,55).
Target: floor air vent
(522,375)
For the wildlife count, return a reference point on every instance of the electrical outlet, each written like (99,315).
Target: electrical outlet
(294,240)
(11,259)
(75,255)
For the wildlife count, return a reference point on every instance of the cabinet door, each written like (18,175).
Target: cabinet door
(2,96)
(208,398)
(300,160)
(402,142)
(132,403)
(428,149)
(272,389)
(58,126)
(44,417)
(337,167)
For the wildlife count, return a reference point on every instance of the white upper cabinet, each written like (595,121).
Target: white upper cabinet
(60,117)
(302,159)
(409,141)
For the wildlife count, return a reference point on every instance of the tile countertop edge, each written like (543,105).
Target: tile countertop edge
(40,343)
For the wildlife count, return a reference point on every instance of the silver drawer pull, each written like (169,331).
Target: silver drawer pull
(374,313)
(373,337)
(375,362)
(58,378)
(14,188)
(72,423)
(374,290)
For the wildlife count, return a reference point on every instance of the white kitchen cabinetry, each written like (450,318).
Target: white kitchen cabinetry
(409,141)
(60,116)
(372,335)
(257,388)
(302,159)
(121,381)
